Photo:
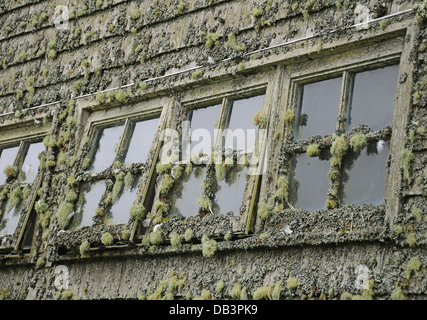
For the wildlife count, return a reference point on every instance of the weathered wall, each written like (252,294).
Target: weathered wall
(359,252)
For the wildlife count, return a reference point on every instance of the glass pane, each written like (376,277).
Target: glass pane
(90,197)
(229,197)
(141,141)
(31,162)
(188,193)
(373,99)
(120,209)
(203,123)
(364,175)
(7,157)
(107,144)
(9,221)
(309,181)
(243,132)
(319,108)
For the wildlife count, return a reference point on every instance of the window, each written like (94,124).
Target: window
(19,166)
(115,165)
(341,139)
(222,143)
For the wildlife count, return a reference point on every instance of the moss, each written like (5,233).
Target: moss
(5,293)
(413,267)
(156,237)
(122,96)
(40,262)
(71,196)
(99,3)
(281,193)
(236,291)
(398,294)
(15,198)
(23,56)
(209,246)
(407,157)
(205,204)
(275,295)
(167,184)
(180,7)
(64,212)
(51,54)
(196,75)
(263,293)
(163,167)
(137,212)
(84,248)
(313,150)
(176,240)
(339,147)
(11,171)
(358,142)
(220,286)
(107,239)
(205,295)
(71,180)
(135,14)
(125,234)
(19,95)
(264,210)
(232,43)
(188,235)
(118,186)
(211,40)
(289,117)
(161,208)
(292,283)
(260,119)
(411,239)
(67,294)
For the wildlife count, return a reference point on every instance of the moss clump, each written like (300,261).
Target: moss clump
(209,246)
(236,291)
(292,283)
(196,75)
(220,286)
(358,142)
(205,204)
(51,54)
(232,43)
(257,12)
(289,117)
(176,240)
(260,119)
(11,171)
(398,294)
(407,158)
(125,234)
(339,147)
(84,248)
(413,266)
(135,14)
(313,150)
(156,237)
(180,8)
(281,193)
(64,212)
(122,96)
(188,235)
(67,294)
(118,186)
(205,295)
(15,198)
(107,239)
(275,295)
(211,40)
(100,97)
(137,212)
(167,184)
(263,293)
(264,210)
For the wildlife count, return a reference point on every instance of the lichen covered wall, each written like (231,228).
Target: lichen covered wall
(53,69)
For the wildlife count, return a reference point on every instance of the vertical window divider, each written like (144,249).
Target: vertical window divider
(29,210)
(345,103)
(224,119)
(124,139)
(152,171)
(19,160)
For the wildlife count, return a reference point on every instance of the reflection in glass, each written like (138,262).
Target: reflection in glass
(229,197)
(107,144)
(374,94)
(187,194)
(9,221)
(309,181)
(120,209)
(203,123)
(7,158)
(318,108)
(90,197)
(141,141)
(364,175)
(242,125)
(31,162)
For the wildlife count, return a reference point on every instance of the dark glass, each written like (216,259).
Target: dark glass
(309,181)
(7,158)
(364,175)
(106,147)
(373,98)
(120,209)
(141,141)
(31,162)
(318,108)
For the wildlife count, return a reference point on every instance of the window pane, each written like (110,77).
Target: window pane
(7,157)
(90,196)
(364,175)
(9,221)
(373,99)
(107,144)
(242,125)
(319,108)
(229,197)
(141,141)
(189,192)
(203,123)
(120,209)
(31,162)
(309,181)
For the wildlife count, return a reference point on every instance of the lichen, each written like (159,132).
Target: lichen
(313,150)
(358,142)
(339,147)
(137,211)
(107,239)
